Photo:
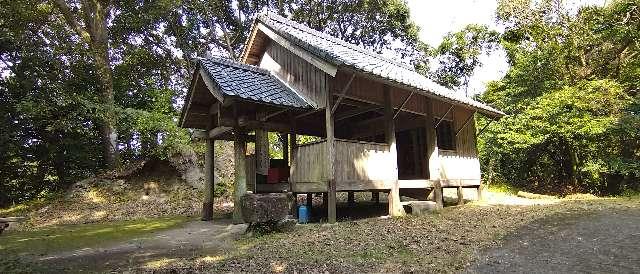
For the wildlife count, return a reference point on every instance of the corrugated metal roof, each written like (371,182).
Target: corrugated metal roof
(250,82)
(343,54)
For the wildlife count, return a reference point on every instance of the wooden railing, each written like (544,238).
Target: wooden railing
(361,162)
(358,165)
(454,166)
(309,163)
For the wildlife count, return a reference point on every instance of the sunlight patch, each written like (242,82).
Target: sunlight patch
(278,267)
(159,263)
(210,259)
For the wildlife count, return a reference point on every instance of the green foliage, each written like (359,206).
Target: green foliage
(459,54)
(52,83)
(572,99)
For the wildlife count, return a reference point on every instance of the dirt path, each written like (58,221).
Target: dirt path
(191,240)
(607,242)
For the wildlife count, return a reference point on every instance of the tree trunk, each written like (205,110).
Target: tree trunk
(94,32)
(108,132)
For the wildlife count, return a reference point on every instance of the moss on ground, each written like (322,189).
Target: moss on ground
(69,237)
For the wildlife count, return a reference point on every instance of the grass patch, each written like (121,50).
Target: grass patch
(503,188)
(70,237)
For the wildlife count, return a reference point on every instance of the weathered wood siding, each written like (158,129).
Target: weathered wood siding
(309,163)
(363,162)
(462,163)
(358,165)
(309,81)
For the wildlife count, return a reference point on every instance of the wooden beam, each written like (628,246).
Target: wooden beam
(251,124)
(484,127)
(308,113)
(330,145)
(214,108)
(444,116)
(240,179)
(302,53)
(218,131)
(187,105)
(395,209)
(358,99)
(432,157)
(343,93)
(274,114)
(357,112)
(466,123)
(207,204)
(402,105)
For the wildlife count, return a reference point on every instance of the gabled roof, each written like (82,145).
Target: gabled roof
(346,55)
(250,82)
(218,79)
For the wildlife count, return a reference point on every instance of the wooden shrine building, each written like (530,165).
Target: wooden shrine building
(382,126)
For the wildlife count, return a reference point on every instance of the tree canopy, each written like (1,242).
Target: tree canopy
(571,96)
(87,84)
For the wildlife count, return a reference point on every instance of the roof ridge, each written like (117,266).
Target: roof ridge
(229,62)
(289,22)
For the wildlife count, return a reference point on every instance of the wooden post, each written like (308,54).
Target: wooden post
(291,161)
(433,159)
(240,181)
(351,198)
(325,200)
(437,194)
(285,148)
(375,196)
(395,209)
(207,205)
(331,155)
(432,143)
(480,190)
(460,196)
(262,156)
(309,200)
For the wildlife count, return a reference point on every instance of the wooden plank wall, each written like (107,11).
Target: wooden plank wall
(309,163)
(363,161)
(309,81)
(466,139)
(462,163)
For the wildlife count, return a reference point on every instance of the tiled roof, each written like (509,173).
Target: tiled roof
(343,54)
(250,82)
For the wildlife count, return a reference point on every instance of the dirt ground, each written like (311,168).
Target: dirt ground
(504,234)
(603,242)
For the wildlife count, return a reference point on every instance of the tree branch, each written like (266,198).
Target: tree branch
(72,21)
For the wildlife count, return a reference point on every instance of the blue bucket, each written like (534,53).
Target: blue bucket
(303,214)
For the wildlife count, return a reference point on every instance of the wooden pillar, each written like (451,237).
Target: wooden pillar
(309,200)
(331,155)
(480,190)
(207,204)
(285,148)
(375,196)
(325,200)
(291,161)
(262,156)
(433,159)
(460,196)
(395,209)
(240,180)
(351,198)
(437,194)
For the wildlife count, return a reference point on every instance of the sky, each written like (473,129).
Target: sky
(436,18)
